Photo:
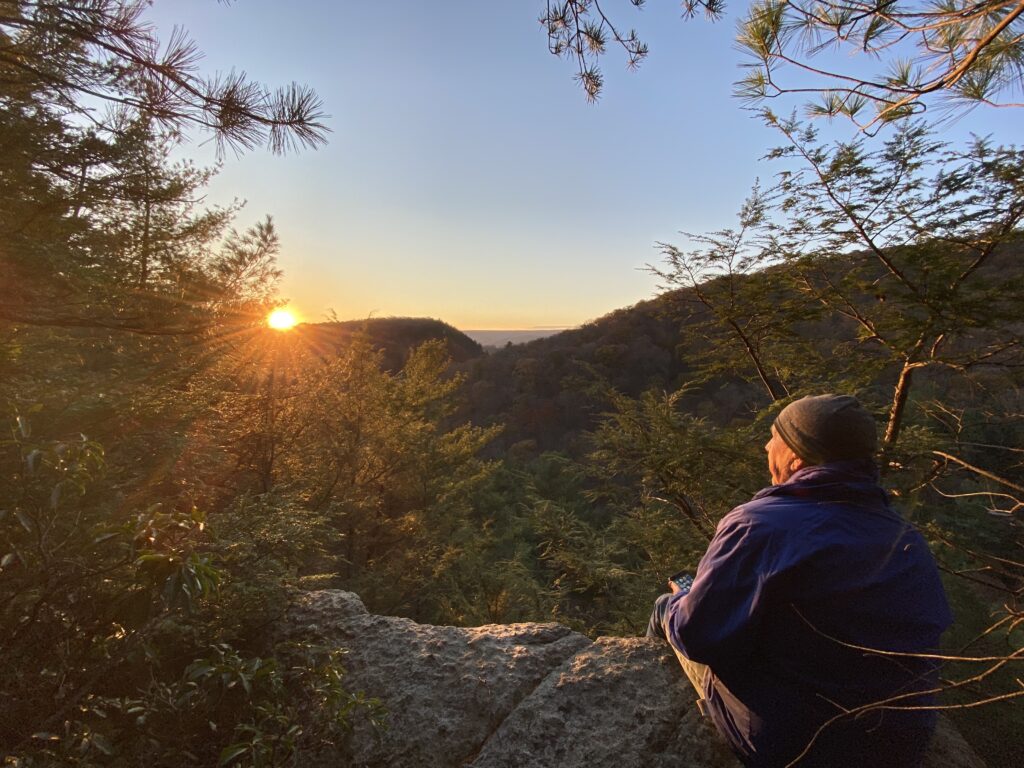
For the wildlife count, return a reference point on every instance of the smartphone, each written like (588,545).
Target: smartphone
(683,580)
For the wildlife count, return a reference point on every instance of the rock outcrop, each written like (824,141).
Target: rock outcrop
(522,696)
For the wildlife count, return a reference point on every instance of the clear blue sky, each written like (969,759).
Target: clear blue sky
(466,177)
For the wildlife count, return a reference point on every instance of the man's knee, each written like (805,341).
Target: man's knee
(656,626)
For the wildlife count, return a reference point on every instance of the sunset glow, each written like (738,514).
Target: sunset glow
(281,320)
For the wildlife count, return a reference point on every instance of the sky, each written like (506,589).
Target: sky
(466,177)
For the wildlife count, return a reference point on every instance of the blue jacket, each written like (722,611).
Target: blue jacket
(790,581)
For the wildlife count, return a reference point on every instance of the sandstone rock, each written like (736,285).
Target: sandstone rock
(522,696)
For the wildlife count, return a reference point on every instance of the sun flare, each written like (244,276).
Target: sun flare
(281,320)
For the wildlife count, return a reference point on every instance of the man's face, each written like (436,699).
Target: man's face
(782,462)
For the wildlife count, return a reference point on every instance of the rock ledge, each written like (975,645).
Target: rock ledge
(522,696)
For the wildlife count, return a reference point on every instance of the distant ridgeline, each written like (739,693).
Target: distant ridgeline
(395,337)
(494,340)
(547,393)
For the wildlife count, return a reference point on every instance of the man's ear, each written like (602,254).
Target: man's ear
(796,464)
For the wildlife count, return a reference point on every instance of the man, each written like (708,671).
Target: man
(814,599)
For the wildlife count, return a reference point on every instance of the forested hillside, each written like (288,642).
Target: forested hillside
(551,392)
(394,337)
(174,471)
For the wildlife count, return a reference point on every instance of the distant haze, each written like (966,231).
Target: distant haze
(501,338)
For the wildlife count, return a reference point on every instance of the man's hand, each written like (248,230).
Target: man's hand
(680,583)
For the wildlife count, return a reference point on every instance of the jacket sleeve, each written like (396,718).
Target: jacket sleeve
(717,622)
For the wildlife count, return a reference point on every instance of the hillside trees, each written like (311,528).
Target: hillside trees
(151,217)
(726,306)
(215,478)
(968,53)
(371,458)
(258,467)
(106,559)
(674,456)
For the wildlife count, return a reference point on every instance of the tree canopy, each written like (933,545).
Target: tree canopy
(960,51)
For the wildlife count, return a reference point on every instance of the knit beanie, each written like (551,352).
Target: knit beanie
(824,428)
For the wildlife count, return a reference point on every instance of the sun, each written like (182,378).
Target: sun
(281,320)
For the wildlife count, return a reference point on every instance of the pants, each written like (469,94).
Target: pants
(658,627)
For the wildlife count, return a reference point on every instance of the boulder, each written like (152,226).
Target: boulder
(521,696)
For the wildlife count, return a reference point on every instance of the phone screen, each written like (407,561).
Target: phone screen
(683,580)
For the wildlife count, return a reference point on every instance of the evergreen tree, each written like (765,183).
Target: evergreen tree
(72,54)
(969,53)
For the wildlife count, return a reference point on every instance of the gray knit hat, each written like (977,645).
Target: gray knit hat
(824,428)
